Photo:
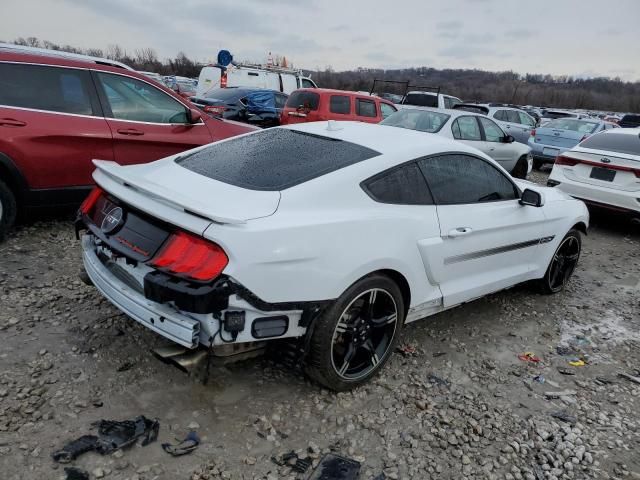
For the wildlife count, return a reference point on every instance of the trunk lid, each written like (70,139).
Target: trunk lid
(558,137)
(602,169)
(183,192)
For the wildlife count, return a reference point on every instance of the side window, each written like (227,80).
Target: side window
(512,116)
(365,108)
(403,185)
(450,102)
(63,90)
(131,99)
(526,120)
(340,104)
(492,132)
(463,179)
(466,128)
(500,115)
(386,109)
(307,83)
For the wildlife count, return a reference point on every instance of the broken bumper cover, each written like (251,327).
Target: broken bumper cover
(160,318)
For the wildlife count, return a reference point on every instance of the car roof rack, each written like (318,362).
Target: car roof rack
(62,54)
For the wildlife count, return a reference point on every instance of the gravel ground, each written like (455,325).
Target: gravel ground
(462,406)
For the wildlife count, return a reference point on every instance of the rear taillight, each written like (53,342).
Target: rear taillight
(568,161)
(214,110)
(223,80)
(188,256)
(533,132)
(90,202)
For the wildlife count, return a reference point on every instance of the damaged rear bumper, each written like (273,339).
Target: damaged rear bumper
(162,319)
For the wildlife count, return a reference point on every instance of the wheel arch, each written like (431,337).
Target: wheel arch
(12,177)
(581,227)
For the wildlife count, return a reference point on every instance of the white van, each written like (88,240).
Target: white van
(274,78)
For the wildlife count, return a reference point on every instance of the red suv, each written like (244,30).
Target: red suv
(59,111)
(316,104)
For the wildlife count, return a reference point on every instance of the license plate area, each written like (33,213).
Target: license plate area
(604,174)
(550,152)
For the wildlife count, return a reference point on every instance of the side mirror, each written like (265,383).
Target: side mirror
(508,139)
(194,115)
(531,198)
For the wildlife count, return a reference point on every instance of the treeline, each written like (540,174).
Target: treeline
(145,59)
(607,94)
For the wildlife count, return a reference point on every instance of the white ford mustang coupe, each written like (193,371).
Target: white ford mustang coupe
(330,235)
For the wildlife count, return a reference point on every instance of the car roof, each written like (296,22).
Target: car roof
(449,111)
(339,92)
(388,140)
(19,50)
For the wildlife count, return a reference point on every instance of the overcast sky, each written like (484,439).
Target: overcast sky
(575,37)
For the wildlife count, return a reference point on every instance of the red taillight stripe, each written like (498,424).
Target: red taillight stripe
(189,256)
(90,201)
(570,162)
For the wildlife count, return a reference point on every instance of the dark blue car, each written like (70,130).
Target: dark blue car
(257,106)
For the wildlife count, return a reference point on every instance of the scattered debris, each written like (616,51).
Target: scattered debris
(113,435)
(125,366)
(434,379)
(436,355)
(291,459)
(74,473)
(539,378)
(631,378)
(563,393)
(577,362)
(529,357)
(188,445)
(407,350)
(565,350)
(566,371)
(336,467)
(565,417)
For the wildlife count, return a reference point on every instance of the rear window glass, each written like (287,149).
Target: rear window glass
(559,115)
(573,125)
(306,100)
(614,142)
(274,159)
(421,100)
(630,120)
(421,120)
(340,104)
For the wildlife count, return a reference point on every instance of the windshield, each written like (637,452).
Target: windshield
(421,120)
(421,99)
(574,125)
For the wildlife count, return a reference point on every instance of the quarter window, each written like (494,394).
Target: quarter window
(131,99)
(492,132)
(512,116)
(365,108)
(500,115)
(463,179)
(404,185)
(466,128)
(64,90)
(526,119)
(340,104)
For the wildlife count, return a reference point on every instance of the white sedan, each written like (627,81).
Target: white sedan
(470,128)
(331,235)
(603,170)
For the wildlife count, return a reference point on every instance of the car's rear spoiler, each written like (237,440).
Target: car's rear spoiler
(158,193)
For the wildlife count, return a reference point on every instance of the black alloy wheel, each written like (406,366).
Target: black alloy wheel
(563,263)
(356,336)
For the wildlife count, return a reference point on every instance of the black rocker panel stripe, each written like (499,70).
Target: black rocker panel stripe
(496,251)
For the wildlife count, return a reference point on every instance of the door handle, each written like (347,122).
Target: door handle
(12,122)
(460,231)
(130,131)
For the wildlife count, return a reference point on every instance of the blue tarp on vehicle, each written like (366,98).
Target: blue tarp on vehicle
(261,102)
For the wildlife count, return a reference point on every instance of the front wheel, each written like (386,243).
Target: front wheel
(521,169)
(355,337)
(8,209)
(563,263)
(537,164)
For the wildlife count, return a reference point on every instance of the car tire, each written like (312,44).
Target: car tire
(351,342)
(8,209)
(562,264)
(537,164)
(520,170)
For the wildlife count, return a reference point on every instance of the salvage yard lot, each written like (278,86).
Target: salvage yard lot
(463,405)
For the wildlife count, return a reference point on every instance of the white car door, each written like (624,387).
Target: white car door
(488,240)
